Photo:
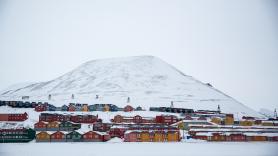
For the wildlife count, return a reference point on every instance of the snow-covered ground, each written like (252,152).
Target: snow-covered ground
(140,149)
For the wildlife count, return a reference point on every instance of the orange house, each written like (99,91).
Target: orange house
(145,137)
(173,136)
(43,137)
(85,108)
(218,137)
(159,137)
(53,126)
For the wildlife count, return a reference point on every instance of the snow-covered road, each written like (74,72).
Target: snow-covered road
(140,149)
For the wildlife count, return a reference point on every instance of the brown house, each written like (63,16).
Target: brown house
(93,136)
(43,137)
(128,108)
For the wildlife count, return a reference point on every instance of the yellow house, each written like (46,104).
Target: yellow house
(106,108)
(216,120)
(85,108)
(173,136)
(267,123)
(181,125)
(158,137)
(246,123)
(42,137)
(53,126)
(229,120)
(145,137)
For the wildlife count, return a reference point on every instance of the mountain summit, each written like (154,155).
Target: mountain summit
(145,80)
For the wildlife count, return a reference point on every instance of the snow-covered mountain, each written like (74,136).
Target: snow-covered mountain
(147,80)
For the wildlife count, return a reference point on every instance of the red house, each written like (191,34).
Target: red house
(237,137)
(14,117)
(117,131)
(272,138)
(128,108)
(84,118)
(58,137)
(166,119)
(218,137)
(40,126)
(93,136)
(71,108)
(135,119)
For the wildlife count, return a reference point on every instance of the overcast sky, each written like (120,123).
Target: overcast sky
(231,44)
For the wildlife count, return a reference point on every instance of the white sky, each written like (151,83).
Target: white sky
(231,44)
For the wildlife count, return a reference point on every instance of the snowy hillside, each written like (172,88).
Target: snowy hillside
(147,80)
(266,112)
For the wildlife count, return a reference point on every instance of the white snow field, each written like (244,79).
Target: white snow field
(140,149)
(147,80)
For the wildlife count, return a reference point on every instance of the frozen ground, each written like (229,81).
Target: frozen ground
(140,149)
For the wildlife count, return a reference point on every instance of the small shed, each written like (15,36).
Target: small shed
(128,108)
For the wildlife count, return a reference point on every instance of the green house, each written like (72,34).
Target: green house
(74,136)
(68,126)
(16,135)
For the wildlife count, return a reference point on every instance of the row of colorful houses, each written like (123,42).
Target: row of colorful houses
(160,119)
(73,136)
(151,136)
(19,104)
(237,137)
(71,107)
(49,117)
(56,126)
(120,129)
(76,107)
(233,133)
(245,121)
(14,117)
